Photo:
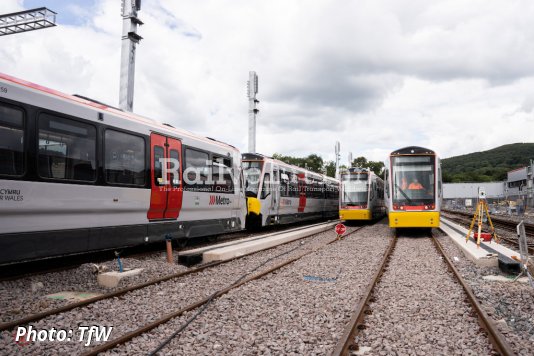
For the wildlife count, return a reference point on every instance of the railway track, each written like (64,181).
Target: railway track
(121,339)
(465,220)
(203,303)
(497,222)
(374,316)
(39,267)
(118,293)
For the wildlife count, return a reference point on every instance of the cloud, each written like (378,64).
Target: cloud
(375,75)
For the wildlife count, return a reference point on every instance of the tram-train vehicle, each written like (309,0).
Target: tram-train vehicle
(77,175)
(413,188)
(361,196)
(279,193)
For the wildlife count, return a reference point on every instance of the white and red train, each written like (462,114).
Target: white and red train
(279,193)
(77,175)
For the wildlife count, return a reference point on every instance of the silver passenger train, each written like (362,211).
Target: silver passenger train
(279,193)
(77,175)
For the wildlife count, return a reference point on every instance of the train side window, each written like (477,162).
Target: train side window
(439,182)
(11,141)
(159,153)
(386,182)
(266,188)
(197,171)
(124,158)
(295,187)
(284,184)
(67,149)
(222,175)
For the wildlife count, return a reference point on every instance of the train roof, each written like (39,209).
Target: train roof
(413,150)
(101,107)
(260,157)
(355,170)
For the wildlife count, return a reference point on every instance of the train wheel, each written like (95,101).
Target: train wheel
(181,243)
(253,222)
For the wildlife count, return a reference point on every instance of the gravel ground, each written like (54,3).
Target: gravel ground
(420,309)
(134,309)
(282,313)
(28,295)
(511,305)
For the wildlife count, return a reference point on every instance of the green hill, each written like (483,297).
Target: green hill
(486,166)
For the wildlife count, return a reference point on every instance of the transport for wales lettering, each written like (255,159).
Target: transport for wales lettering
(11,195)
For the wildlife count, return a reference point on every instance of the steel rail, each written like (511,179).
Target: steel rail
(496,338)
(38,316)
(514,242)
(503,223)
(128,336)
(346,343)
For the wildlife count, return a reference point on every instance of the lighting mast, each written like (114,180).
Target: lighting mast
(130,39)
(252,85)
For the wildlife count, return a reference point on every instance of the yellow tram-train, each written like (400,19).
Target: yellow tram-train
(413,188)
(361,196)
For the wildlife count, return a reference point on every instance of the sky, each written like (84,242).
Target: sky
(454,76)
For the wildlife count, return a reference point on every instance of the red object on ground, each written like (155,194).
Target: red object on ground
(485,236)
(340,229)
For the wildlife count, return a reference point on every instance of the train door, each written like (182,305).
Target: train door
(241,213)
(275,187)
(166,194)
(302,192)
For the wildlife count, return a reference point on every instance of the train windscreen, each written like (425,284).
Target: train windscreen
(413,181)
(354,188)
(252,174)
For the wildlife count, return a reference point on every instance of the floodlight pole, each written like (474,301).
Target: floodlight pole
(252,85)
(337,149)
(27,20)
(130,39)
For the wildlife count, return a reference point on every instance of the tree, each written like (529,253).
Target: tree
(330,167)
(362,162)
(377,167)
(312,162)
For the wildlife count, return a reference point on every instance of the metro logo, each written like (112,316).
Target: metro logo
(218,200)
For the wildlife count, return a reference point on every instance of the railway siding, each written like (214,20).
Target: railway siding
(284,312)
(419,308)
(509,304)
(134,309)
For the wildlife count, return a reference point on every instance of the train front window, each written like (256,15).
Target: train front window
(354,189)
(11,141)
(252,173)
(413,181)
